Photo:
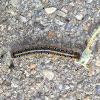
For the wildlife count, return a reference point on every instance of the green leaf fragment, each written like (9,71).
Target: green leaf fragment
(85,58)
(87,52)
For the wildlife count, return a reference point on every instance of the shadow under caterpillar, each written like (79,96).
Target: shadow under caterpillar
(46,49)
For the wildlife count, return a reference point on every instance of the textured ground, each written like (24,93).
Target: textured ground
(49,77)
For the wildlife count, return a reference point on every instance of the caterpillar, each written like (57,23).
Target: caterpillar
(62,51)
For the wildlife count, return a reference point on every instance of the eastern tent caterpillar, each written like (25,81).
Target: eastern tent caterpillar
(46,49)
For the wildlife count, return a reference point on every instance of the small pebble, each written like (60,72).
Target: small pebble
(14,2)
(79,16)
(9,27)
(3,85)
(91,71)
(98,62)
(38,83)
(42,64)
(58,22)
(33,71)
(60,13)
(79,85)
(32,86)
(23,19)
(72,86)
(60,98)
(71,4)
(65,95)
(0,38)
(26,88)
(97,69)
(38,3)
(78,72)
(52,96)
(97,89)
(78,95)
(39,25)
(64,9)
(50,34)
(89,1)
(60,86)
(85,27)
(37,13)
(86,97)
(88,91)
(47,98)
(48,73)
(2,27)
(67,25)
(14,85)
(98,46)
(67,87)
(10,11)
(50,10)
(67,20)
(1,91)
(26,73)
(32,65)
(58,35)
(44,1)
(13,36)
